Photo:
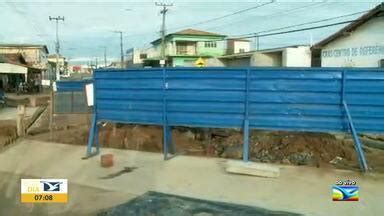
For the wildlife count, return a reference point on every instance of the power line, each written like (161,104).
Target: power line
(121,49)
(298,30)
(245,10)
(291,31)
(238,12)
(289,11)
(209,20)
(235,13)
(23,15)
(284,12)
(225,16)
(302,24)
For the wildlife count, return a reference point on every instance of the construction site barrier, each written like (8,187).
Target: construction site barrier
(292,99)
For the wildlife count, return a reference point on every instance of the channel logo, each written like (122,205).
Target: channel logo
(44,190)
(345,193)
(51,186)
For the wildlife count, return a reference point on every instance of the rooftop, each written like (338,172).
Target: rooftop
(378,11)
(16,59)
(54,56)
(238,39)
(269,50)
(196,32)
(13,58)
(191,32)
(4,45)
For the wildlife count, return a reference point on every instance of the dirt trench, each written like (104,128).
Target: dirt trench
(295,148)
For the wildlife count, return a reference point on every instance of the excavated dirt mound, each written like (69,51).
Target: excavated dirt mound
(313,149)
(8,133)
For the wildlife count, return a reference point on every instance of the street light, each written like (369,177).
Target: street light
(121,48)
(105,55)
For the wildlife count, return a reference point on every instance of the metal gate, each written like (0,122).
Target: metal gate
(69,97)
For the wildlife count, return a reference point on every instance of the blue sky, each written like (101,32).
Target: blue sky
(89,25)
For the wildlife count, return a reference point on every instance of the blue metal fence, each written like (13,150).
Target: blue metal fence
(71,85)
(299,99)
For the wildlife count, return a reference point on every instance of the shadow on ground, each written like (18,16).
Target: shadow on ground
(154,203)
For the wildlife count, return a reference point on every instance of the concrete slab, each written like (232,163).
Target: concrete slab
(10,113)
(12,99)
(303,190)
(251,168)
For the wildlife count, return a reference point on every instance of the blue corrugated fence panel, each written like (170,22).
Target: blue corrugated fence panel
(63,86)
(301,99)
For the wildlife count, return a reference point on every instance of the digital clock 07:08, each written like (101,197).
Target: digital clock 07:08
(38,197)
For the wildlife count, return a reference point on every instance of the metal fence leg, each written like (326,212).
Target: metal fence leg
(246,141)
(97,144)
(246,119)
(172,146)
(358,148)
(165,141)
(91,136)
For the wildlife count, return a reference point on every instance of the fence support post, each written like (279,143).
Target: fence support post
(94,130)
(172,147)
(166,134)
(246,141)
(359,150)
(246,120)
(91,138)
(97,144)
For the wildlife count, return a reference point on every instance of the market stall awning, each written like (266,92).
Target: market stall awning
(6,68)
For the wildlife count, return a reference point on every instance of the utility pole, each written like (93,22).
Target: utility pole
(121,49)
(105,56)
(163,11)
(257,42)
(57,19)
(96,62)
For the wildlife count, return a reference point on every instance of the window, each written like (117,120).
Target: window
(181,49)
(210,44)
(143,56)
(186,48)
(241,50)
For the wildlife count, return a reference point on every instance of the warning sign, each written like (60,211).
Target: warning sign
(200,62)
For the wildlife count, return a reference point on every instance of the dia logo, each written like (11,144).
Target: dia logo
(51,186)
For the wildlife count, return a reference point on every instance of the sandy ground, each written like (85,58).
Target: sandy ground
(303,190)
(8,115)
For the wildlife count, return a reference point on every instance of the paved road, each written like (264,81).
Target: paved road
(302,190)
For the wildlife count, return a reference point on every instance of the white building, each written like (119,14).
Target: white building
(238,46)
(62,63)
(359,44)
(290,56)
(135,57)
